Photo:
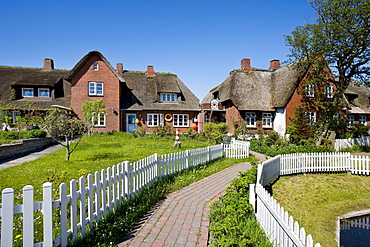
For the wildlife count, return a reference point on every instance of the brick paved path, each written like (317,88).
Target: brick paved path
(182,218)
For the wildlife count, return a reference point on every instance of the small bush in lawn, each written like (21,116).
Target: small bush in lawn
(215,132)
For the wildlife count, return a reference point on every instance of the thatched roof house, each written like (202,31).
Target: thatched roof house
(358,98)
(44,86)
(257,90)
(143,92)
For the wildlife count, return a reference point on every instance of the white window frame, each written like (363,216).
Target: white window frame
(267,120)
(250,119)
(96,66)
(350,121)
(363,120)
(155,119)
(101,121)
(168,97)
(44,89)
(180,120)
(93,88)
(311,116)
(310,90)
(328,91)
(24,89)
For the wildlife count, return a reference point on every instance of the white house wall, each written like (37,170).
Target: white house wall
(280,121)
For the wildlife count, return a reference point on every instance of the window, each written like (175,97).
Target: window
(95,88)
(328,91)
(350,121)
(311,116)
(363,120)
(168,97)
(310,90)
(44,92)
(180,120)
(250,119)
(155,119)
(266,120)
(101,120)
(27,92)
(96,66)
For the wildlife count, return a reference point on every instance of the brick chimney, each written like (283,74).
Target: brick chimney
(274,64)
(119,67)
(246,64)
(48,64)
(150,71)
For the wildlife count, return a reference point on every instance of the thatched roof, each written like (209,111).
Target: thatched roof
(83,60)
(16,77)
(142,92)
(260,90)
(359,96)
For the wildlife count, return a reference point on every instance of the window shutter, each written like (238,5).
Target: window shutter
(161,119)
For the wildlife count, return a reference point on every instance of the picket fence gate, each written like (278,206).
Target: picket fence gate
(276,222)
(91,198)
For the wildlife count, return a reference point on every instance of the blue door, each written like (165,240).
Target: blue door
(130,123)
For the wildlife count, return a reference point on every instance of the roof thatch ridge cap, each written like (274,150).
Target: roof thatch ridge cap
(83,60)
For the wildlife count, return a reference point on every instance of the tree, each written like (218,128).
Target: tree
(339,40)
(65,128)
(91,112)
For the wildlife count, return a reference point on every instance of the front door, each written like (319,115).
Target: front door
(130,123)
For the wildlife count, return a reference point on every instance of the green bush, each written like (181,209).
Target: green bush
(233,222)
(162,130)
(274,150)
(215,132)
(35,134)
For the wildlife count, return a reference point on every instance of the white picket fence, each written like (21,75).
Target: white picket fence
(91,198)
(277,224)
(348,143)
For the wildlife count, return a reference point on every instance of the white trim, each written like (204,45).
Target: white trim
(180,120)
(27,88)
(94,91)
(250,119)
(39,92)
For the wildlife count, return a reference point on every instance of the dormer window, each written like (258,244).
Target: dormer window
(44,92)
(27,92)
(168,97)
(96,66)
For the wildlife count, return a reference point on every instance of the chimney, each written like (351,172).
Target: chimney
(246,64)
(119,67)
(48,64)
(150,71)
(274,64)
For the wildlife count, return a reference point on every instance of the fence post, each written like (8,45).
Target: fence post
(47,210)
(252,196)
(63,214)
(127,178)
(28,225)
(7,217)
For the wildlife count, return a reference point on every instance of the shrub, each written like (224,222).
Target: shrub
(190,133)
(215,132)
(232,218)
(162,130)
(35,134)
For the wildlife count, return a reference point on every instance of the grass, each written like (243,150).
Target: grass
(94,153)
(316,200)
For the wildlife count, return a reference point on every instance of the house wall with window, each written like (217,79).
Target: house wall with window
(93,79)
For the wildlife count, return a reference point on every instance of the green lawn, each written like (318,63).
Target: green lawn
(316,200)
(94,153)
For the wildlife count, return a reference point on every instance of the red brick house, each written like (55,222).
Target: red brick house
(132,99)
(266,99)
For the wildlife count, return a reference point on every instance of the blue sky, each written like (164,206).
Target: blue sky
(199,40)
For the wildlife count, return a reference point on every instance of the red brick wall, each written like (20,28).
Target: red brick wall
(111,91)
(295,102)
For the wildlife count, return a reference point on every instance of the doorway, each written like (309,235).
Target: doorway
(130,123)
